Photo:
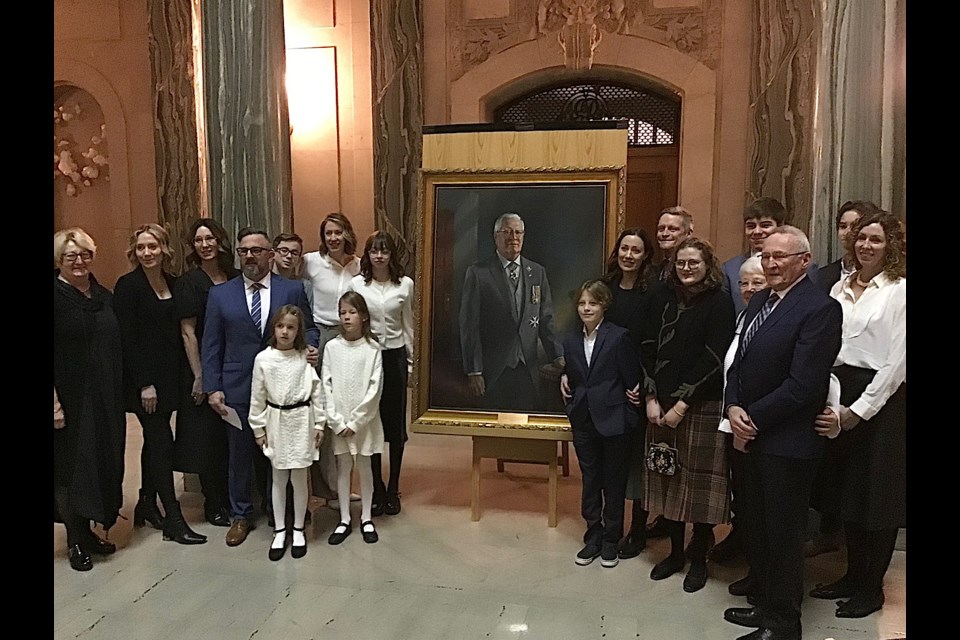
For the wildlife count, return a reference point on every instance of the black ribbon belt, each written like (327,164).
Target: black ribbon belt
(287,407)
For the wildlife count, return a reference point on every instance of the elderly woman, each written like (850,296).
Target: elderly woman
(152,361)
(872,368)
(389,297)
(201,444)
(688,327)
(89,426)
(327,273)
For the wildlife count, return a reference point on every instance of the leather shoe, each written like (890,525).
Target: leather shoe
(727,549)
(658,529)
(96,544)
(238,532)
(769,634)
(392,506)
(833,591)
(369,532)
(79,559)
(743,587)
(379,503)
(667,567)
(696,577)
(217,517)
(276,553)
(823,543)
(338,537)
(743,616)
(860,605)
(632,545)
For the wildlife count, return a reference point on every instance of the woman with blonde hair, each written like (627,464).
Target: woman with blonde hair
(89,434)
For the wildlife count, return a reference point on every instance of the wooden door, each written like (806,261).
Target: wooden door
(652,185)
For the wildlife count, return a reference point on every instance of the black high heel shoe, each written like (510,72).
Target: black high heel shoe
(146,511)
(175,528)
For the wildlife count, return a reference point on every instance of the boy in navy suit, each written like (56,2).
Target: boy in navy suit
(601,365)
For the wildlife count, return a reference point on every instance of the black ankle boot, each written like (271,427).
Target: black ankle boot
(634,543)
(175,528)
(146,511)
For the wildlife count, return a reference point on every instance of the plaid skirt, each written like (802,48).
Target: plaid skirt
(699,491)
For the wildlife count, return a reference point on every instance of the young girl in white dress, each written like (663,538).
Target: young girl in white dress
(352,378)
(287,418)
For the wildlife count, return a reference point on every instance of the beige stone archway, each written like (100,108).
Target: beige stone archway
(537,63)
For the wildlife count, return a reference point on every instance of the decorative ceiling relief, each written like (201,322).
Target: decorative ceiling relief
(578,26)
(79,159)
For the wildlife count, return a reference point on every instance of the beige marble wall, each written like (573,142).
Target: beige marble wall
(332,165)
(102,48)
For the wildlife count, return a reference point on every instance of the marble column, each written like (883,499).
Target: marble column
(397,61)
(859,137)
(781,104)
(175,131)
(248,130)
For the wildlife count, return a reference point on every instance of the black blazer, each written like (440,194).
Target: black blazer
(829,276)
(152,345)
(599,390)
(782,379)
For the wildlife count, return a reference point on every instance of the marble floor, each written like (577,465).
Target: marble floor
(433,575)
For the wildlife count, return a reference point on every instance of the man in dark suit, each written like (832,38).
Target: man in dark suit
(237,328)
(776,386)
(505,309)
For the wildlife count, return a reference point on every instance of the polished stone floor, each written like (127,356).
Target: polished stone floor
(433,575)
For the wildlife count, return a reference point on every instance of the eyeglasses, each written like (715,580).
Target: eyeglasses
(84,256)
(688,264)
(287,252)
(779,257)
(253,251)
(205,240)
(513,233)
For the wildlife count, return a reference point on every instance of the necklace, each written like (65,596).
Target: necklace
(862,283)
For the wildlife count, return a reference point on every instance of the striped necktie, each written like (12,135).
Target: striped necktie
(757,321)
(255,307)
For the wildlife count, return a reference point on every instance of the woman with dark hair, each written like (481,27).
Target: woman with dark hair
(153,354)
(389,297)
(201,444)
(686,331)
(872,368)
(90,430)
(327,273)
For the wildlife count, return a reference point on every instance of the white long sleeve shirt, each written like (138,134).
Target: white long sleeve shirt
(391,312)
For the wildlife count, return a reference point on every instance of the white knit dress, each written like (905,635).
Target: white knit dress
(285,378)
(352,379)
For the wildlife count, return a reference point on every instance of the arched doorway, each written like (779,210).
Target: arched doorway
(653,116)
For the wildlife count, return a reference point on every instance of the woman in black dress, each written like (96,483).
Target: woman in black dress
(201,444)
(89,426)
(686,331)
(153,354)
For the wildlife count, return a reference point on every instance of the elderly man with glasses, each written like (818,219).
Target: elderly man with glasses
(235,331)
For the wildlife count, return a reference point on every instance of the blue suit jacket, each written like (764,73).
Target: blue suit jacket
(731,279)
(782,379)
(600,387)
(231,341)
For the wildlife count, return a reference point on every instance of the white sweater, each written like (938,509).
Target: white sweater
(352,379)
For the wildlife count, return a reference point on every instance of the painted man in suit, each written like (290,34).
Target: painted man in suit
(778,379)
(505,310)
(237,328)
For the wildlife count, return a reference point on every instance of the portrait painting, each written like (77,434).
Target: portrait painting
(502,259)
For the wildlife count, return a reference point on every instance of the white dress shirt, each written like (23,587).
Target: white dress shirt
(391,312)
(589,341)
(328,280)
(875,337)
(264,300)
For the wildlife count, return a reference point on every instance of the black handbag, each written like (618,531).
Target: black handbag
(662,458)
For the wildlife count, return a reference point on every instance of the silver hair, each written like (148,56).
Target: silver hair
(510,215)
(751,265)
(801,242)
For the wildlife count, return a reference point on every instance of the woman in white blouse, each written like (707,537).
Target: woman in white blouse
(326,276)
(389,297)
(872,368)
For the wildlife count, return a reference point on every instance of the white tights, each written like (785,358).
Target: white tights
(365,471)
(298,478)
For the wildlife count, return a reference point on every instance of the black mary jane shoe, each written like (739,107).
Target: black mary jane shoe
(298,550)
(276,553)
(392,507)
(338,537)
(96,544)
(79,559)
(379,504)
(369,532)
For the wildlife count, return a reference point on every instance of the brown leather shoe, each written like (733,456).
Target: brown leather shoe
(238,532)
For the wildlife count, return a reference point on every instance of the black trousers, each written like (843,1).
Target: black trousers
(774,500)
(603,465)
(157,457)
(868,557)
(513,390)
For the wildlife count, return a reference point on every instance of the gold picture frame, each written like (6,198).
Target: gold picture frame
(572,217)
